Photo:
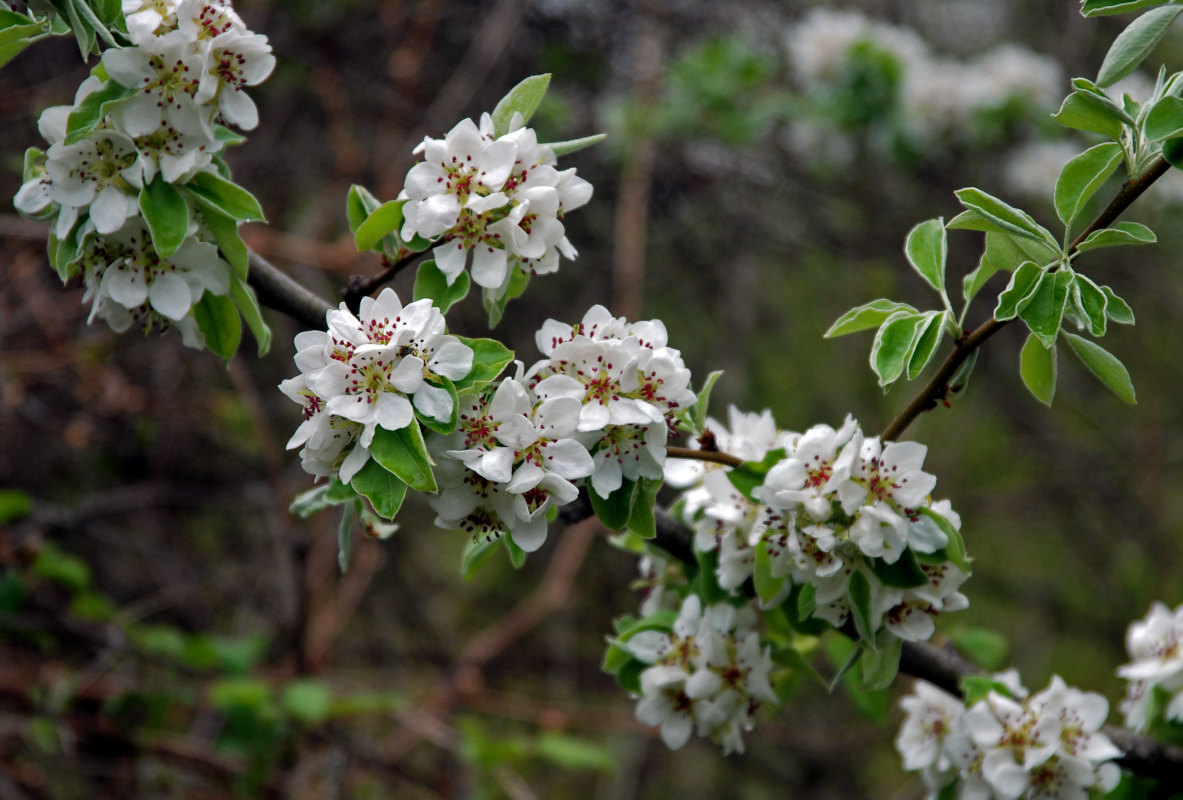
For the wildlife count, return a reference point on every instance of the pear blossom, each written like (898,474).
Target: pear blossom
(103,173)
(1009,745)
(164,74)
(1155,647)
(494,202)
(374,370)
(708,675)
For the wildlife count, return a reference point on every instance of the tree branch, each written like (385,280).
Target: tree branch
(281,292)
(937,389)
(360,285)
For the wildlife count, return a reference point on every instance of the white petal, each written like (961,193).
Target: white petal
(170,295)
(434,402)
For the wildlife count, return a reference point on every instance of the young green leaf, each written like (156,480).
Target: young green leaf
(926,342)
(894,344)
(904,573)
(927,249)
(524,99)
(317,499)
(750,474)
(1037,366)
(225,232)
(489,358)
(248,305)
(880,667)
(359,204)
(1165,120)
(574,145)
(93,109)
(768,588)
(476,553)
(868,315)
(1105,366)
(1081,115)
(349,515)
(1118,310)
(227,196)
(862,610)
(1044,310)
(167,215)
(382,221)
(955,549)
(382,488)
(1097,8)
(703,400)
(219,323)
(1004,216)
(430,282)
(1082,176)
(615,509)
(1120,233)
(403,453)
(640,519)
(1135,43)
(1090,92)
(1018,292)
(1090,302)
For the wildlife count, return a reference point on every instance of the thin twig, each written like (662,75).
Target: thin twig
(713,456)
(361,285)
(937,389)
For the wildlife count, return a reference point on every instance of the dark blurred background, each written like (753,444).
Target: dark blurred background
(167,629)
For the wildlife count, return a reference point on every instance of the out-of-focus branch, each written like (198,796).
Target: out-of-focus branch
(280,291)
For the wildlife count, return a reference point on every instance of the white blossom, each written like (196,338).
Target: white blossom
(1155,648)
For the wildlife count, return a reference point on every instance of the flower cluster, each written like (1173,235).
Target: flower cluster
(1155,671)
(496,202)
(370,371)
(837,505)
(152,118)
(1009,745)
(934,97)
(708,675)
(598,407)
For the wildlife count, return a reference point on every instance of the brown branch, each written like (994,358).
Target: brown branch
(281,292)
(714,456)
(937,389)
(361,285)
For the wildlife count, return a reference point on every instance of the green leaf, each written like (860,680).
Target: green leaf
(1118,310)
(306,701)
(1082,115)
(1093,94)
(1097,8)
(703,400)
(570,753)
(318,498)
(615,509)
(1044,309)
(862,609)
(868,315)
(489,358)
(225,233)
(524,99)
(476,553)
(167,214)
(359,204)
(640,518)
(1172,151)
(217,319)
(1000,254)
(432,283)
(1090,302)
(16,37)
(1165,120)
(986,648)
(750,474)
(955,550)
(227,196)
(1037,366)
(1018,292)
(1135,43)
(91,111)
(573,145)
(905,573)
(926,343)
(1121,233)
(93,22)
(927,250)
(382,221)
(345,534)
(517,556)
(768,587)
(1082,176)
(381,487)
(1004,216)
(706,583)
(977,687)
(894,343)
(1105,367)
(495,307)
(14,504)
(879,667)
(248,305)
(403,453)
